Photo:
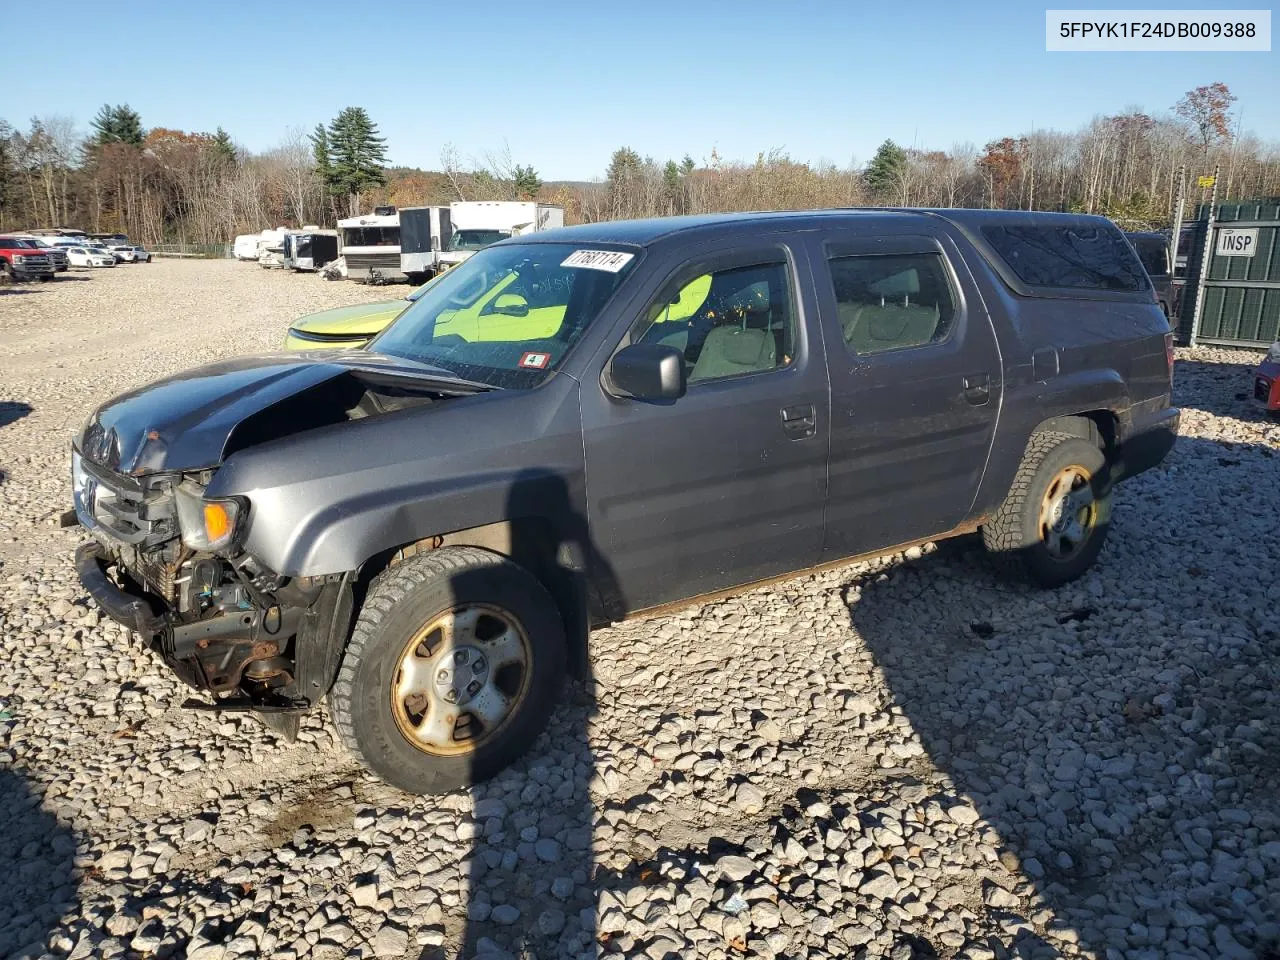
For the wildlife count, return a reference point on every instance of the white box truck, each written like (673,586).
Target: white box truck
(424,233)
(479,223)
(371,245)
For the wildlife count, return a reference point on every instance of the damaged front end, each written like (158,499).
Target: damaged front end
(168,558)
(165,563)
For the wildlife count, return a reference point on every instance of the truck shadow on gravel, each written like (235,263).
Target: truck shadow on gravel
(37,881)
(529,877)
(11,411)
(1119,733)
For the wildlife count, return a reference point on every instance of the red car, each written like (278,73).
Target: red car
(1266,380)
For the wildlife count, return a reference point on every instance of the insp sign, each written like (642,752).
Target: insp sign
(1237,241)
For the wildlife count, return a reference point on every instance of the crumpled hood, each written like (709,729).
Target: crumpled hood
(184,422)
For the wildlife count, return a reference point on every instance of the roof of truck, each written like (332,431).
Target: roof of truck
(644,232)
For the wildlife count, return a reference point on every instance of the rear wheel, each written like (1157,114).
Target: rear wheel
(1053,522)
(453,670)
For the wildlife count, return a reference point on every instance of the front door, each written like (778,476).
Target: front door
(726,485)
(915,388)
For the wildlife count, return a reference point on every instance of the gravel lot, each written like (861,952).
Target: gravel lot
(903,758)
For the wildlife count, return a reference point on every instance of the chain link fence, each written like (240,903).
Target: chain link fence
(206,251)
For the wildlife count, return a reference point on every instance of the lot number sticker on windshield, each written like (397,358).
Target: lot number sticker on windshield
(535,361)
(609,260)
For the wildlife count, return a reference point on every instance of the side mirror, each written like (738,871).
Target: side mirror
(650,371)
(511,305)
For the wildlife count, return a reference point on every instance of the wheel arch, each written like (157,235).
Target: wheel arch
(534,543)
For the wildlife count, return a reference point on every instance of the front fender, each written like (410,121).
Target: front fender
(325,501)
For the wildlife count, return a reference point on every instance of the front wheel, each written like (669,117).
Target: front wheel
(453,669)
(1052,524)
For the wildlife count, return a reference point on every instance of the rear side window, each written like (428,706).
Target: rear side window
(1084,257)
(891,302)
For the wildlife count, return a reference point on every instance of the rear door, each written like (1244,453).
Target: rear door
(726,485)
(915,388)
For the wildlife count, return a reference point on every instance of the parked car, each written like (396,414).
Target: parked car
(55,253)
(1153,251)
(23,260)
(124,252)
(141,255)
(349,327)
(88,257)
(1266,381)
(425,530)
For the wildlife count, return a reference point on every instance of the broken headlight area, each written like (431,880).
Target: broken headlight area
(165,562)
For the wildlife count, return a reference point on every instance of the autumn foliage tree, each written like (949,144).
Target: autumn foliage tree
(1001,163)
(1207,109)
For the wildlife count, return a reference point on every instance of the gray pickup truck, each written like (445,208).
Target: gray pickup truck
(590,423)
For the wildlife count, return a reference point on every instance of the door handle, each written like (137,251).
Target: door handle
(800,421)
(977,388)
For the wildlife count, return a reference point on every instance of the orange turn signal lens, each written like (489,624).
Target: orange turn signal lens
(217,522)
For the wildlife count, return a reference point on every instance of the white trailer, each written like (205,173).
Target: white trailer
(424,233)
(271,248)
(479,223)
(371,245)
(246,246)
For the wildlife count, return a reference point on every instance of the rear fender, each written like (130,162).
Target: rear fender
(1064,403)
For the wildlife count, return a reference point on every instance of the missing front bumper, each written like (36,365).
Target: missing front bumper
(212,653)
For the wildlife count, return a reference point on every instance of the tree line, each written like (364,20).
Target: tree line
(162,184)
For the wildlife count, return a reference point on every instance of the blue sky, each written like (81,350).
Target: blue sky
(563,84)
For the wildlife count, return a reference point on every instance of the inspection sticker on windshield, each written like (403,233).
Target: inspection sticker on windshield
(609,260)
(535,361)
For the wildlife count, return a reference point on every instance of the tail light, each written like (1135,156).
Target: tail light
(1168,353)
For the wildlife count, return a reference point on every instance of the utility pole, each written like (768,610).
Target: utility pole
(1206,251)
(1175,321)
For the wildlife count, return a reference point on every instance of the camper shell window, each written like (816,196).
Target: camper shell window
(1083,257)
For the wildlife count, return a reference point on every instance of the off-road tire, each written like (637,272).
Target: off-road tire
(400,601)
(1013,537)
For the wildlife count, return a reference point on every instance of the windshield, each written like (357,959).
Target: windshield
(508,315)
(475,239)
(370,236)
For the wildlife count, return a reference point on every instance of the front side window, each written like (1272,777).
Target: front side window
(507,316)
(727,322)
(892,302)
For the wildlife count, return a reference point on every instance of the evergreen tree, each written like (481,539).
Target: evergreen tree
(886,168)
(673,187)
(526,181)
(356,155)
(686,165)
(320,150)
(223,145)
(119,124)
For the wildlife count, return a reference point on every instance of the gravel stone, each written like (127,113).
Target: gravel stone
(900,751)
